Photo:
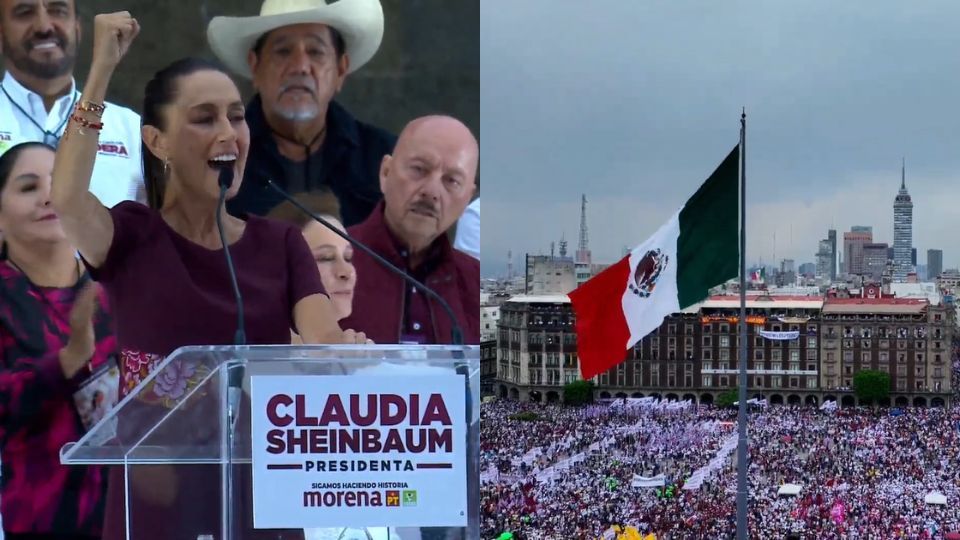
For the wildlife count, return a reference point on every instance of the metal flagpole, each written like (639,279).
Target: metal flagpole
(742,332)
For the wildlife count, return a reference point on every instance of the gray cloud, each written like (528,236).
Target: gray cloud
(635,103)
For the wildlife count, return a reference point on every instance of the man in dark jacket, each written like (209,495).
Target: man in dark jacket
(300,137)
(427,183)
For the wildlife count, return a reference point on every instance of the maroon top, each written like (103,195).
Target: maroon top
(168,292)
(389,310)
(37,412)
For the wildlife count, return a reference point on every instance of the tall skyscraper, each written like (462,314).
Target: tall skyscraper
(583,259)
(902,229)
(934,263)
(826,265)
(832,238)
(853,243)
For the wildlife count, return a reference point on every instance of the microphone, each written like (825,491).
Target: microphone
(234,373)
(456,333)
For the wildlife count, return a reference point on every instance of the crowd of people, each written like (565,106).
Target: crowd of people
(117,227)
(860,473)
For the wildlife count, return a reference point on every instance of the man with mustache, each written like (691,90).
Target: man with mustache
(426,183)
(38,41)
(299,53)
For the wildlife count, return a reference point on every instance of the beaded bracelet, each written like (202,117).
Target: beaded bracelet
(84,123)
(89,106)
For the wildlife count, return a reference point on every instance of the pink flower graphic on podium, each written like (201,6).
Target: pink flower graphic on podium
(172,381)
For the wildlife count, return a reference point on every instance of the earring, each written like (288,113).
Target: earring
(166,167)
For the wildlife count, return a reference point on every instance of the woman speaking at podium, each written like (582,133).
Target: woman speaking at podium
(163,266)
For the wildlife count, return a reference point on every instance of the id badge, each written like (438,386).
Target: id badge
(98,394)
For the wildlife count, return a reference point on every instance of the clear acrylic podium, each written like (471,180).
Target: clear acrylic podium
(186,462)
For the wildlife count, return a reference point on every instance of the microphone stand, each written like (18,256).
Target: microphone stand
(234,372)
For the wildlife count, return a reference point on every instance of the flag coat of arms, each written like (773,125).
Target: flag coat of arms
(696,249)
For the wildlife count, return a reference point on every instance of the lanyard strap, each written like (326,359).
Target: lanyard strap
(49,138)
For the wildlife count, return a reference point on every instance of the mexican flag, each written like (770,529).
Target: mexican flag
(696,249)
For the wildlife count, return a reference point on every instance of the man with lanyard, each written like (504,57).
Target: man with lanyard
(299,53)
(38,41)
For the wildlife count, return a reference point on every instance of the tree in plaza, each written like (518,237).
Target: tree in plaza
(578,393)
(871,386)
(728,398)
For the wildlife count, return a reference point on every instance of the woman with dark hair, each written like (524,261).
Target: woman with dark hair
(52,341)
(163,266)
(333,254)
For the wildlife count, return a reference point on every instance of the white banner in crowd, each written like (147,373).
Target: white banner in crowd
(782,336)
(648,481)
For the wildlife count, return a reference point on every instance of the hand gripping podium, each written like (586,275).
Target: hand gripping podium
(296,442)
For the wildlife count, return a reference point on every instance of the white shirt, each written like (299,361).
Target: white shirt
(468,230)
(117,171)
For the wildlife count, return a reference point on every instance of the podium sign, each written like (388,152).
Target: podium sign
(360,451)
(314,437)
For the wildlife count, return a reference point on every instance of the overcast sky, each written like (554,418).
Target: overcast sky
(634,103)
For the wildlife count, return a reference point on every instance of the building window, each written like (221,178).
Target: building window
(724,328)
(848,344)
(724,365)
(811,354)
(848,370)
(811,367)
(723,382)
(938,372)
(919,345)
(758,354)
(920,357)
(707,365)
(724,354)
(811,382)
(902,385)
(865,344)
(831,357)
(794,356)
(724,341)
(811,343)
(671,329)
(848,356)
(776,366)
(758,341)
(901,371)
(901,358)
(776,355)
(884,357)
(866,358)
(707,341)
(775,381)
(671,342)
(758,382)
(708,380)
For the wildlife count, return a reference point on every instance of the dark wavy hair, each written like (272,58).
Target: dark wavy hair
(8,160)
(162,91)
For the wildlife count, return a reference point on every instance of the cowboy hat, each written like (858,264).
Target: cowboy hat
(360,22)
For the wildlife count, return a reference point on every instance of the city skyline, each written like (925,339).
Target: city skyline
(637,131)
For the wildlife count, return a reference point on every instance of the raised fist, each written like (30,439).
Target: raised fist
(112,35)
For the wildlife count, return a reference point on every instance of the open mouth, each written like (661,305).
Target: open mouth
(45,45)
(222,161)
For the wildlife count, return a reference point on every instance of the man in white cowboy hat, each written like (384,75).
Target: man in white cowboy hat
(299,53)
